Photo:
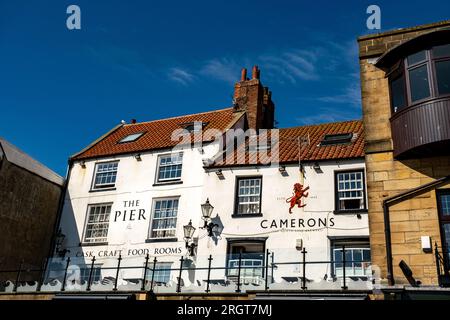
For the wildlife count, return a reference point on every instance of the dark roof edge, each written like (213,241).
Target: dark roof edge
(404,30)
(95,142)
(242,165)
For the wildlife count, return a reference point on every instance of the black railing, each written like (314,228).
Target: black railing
(243,271)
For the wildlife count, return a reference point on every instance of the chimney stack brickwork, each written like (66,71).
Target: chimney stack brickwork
(250,96)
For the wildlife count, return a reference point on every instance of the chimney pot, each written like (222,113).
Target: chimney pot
(244,74)
(255,72)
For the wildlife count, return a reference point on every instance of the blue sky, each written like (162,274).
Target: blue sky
(61,89)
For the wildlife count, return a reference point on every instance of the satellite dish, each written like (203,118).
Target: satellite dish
(123,122)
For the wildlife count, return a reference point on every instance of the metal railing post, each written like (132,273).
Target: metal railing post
(239,274)
(16,283)
(90,275)
(42,276)
(153,274)
(209,273)
(267,270)
(304,287)
(145,273)
(63,286)
(273,266)
(179,277)
(344,261)
(117,272)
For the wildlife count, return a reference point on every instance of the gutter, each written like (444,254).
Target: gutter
(387,225)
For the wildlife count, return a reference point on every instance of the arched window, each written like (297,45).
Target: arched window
(421,76)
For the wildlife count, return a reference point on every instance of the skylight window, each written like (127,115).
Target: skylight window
(194,126)
(132,137)
(333,139)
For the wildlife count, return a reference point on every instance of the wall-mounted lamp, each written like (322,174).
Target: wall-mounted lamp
(282,169)
(59,241)
(138,157)
(207,210)
(220,174)
(189,230)
(83,164)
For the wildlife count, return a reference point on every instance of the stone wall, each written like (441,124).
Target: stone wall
(387,177)
(28,211)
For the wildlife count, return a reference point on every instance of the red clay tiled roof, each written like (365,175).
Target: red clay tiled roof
(289,145)
(158,133)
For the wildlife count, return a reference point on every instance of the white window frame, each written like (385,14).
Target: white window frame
(132,137)
(366,270)
(103,186)
(166,272)
(362,189)
(165,218)
(103,239)
(159,166)
(249,203)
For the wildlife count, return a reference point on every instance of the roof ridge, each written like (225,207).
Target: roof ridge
(322,124)
(181,116)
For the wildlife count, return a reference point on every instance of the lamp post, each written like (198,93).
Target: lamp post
(207,210)
(189,230)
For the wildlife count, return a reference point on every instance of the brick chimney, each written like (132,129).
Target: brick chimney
(250,96)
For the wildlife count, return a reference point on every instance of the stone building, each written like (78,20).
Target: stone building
(29,200)
(405,79)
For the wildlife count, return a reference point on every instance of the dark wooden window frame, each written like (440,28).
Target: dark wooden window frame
(236,214)
(402,68)
(443,220)
(336,195)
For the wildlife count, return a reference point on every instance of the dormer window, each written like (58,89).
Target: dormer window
(421,76)
(131,137)
(334,139)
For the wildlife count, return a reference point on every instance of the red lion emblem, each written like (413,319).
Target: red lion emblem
(298,193)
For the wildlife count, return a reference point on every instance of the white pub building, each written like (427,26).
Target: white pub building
(190,204)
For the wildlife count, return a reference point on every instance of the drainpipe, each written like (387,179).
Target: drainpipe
(387,224)
(387,235)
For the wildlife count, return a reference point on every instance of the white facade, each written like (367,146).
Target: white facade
(315,227)
(132,202)
(277,235)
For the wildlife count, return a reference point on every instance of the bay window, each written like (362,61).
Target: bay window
(421,76)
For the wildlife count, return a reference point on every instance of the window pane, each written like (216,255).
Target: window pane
(441,51)
(249,193)
(418,79)
(417,57)
(164,221)
(97,223)
(443,76)
(445,205)
(398,93)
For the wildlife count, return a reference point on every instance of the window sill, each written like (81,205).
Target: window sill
(92,244)
(161,240)
(350,211)
(104,189)
(246,215)
(165,183)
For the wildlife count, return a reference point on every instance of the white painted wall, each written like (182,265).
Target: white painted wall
(134,182)
(282,241)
